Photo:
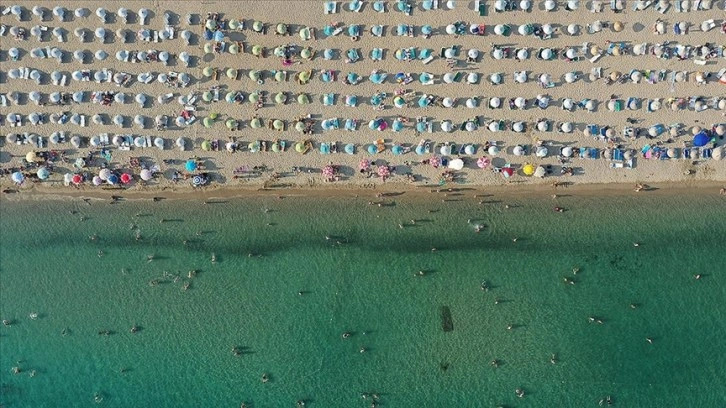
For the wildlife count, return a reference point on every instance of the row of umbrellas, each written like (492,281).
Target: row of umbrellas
(62,13)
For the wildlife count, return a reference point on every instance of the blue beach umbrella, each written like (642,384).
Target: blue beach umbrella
(353,77)
(426,30)
(399,54)
(376,54)
(424,77)
(428,5)
(324,148)
(397,150)
(372,149)
(397,125)
(329,99)
(112,179)
(420,150)
(351,100)
(401,5)
(423,101)
(350,148)
(376,78)
(402,29)
(197,181)
(17,177)
(376,99)
(353,54)
(191,165)
(208,35)
(328,54)
(701,139)
(350,124)
(354,30)
(421,127)
(328,30)
(43,173)
(373,125)
(377,30)
(379,6)
(218,36)
(326,76)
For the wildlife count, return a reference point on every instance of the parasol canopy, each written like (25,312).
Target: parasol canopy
(456,164)
(701,139)
(43,173)
(483,162)
(528,169)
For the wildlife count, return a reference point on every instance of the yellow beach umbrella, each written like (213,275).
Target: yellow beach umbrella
(254,75)
(31,157)
(254,97)
(208,48)
(300,126)
(304,76)
(618,26)
(528,169)
(305,33)
(280,98)
(208,122)
(234,49)
(300,147)
(208,71)
(258,26)
(231,123)
(257,50)
(277,124)
(306,53)
(279,76)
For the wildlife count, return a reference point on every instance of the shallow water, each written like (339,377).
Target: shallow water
(362,280)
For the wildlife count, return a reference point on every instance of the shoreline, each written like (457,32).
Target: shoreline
(704,188)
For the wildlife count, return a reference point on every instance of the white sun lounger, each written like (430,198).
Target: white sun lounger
(3,100)
(427,60)
(83,120)
(661,7)
(64,80)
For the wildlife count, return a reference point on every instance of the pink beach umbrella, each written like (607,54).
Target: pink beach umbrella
(364,165)
(328,171)
(383,171)
(126,178)
(77,179)
(435,161)
(483,162)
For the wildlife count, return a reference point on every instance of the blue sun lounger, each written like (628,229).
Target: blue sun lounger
(686,153)
(618,155)
(706,153)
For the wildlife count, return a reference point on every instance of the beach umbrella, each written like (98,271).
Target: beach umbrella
(352,77)
(125,178)
(502,29)
(541,152)
(448,102)
(472,78)
(277,124)
(451,29)
(528,169)
(397,125)
(483,162)
(208,122)
(573,29)
(76,179)
(496,78)
(143,14)
(518,150)
(618,26)
(12,138)
(717,153)
(257,50)
(14,73)
(493,150)
(101,55)
(140,141)
(570,77)
(14,52)
(518,127)
(43,173)
(100,76)
(97,181)
(566,127)
(525,29)
(32,157)
(122,55)
(101,34)
(399,102)
(256,123)
(281,98)
(372,149)
(447,126)
(701,139)
(34,118)
(520,102)
(469,149)
(112,179)
(520,77)
(568,104)
(571,53)
(231,73)
(498,53)
(456,164)
(207,96)
(146,175)
(104,174)
(67,179)
(17,177)
(495,102)
(470,126)
(79,55)
(397,150)
(364,164)
(140,121)
(494,126)
(471,103)
(140,99)
(34,96)
(59,12)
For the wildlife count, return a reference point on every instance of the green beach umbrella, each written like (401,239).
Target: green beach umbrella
(277,124)
(303,99)
(280,98)
(299,147)
(229,98)
(230,123)
(305,33)
(207,96)
(256,123)
(208,122)
(304,76)
(257,50)
(306,53)
(254,97)
(233,24)
(206,145)
(281,28)
(234,49)
(213,115)
(231,73)
(276,147)
(279,76)
(300,126)
(254,75)
(208,48)
(257,26)
(208,71)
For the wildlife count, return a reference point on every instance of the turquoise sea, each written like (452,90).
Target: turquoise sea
(357,270)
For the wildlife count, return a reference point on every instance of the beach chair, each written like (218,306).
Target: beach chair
(662,7)
(706,152)
(481,8)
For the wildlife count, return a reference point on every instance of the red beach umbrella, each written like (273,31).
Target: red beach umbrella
(77,179)
(126,178)
(507,172)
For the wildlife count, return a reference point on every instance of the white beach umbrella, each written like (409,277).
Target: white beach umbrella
(448,102)
(470,126)
(449,77)
(117,140)
(36,32)
(518,150)
(570,77)
(522,54)
(146,175)
(542,125)
(573,29)
(550,5)
(14,73)
(541,152)
(76,141)
(143,15)
(101,55)
(181,143)
(54,97)
(123,14)
(472,103)
(97,119)
(493,150)
(520,102)
(571,53)
(76,120)
(159,143)
(79,55)
(525,5)
(100,33)
(451,29)
(123,35)
(120,98)
(100,76)
(566,151)
(186,35)
(520,77)
(35,53)
(500,5)
(472,78)
(102,14)
(36,76)
(494,126)
(184,57)
(59,12)
(518,127)
(122,55)
(498,53)
(34,96)
(56,53)
(473,53)
(13,52)
(450,53)
(496,78)
(568,104)
(447,126)
(495,102)
(39,12)
(59,34)
(118,120)
(140,99)
(140,121)
(640,49)
(566,127)
(164,57)
(34,118)
(500,29)
(548,29)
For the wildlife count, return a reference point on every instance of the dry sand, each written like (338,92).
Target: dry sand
(222,164)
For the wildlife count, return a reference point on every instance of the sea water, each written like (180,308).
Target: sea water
(281,280)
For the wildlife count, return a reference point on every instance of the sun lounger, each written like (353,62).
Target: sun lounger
(686,153)
(662,7)
(618,155)
(706,152)
(481,8)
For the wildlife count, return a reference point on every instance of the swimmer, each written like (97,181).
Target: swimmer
(697,276)
(636,244)
(510,326)
(591,319)
(214,258)
(497,301)
(300,403)
(575,270)
(553,359)
(495,363)
(519,392)
(433,249)
(32,373)
(185,242)
(633,305)
(93,237)
(186,286)
(485,286)
(64,332)
(33,315)
(362,350)
(598,321)
(265,379)
(100,253)
(192,274)
(16,370)
(134,329)
(649,340)
(7,322)
(346,335)
(149,258)
(419,273)
(400,226)
(97,398)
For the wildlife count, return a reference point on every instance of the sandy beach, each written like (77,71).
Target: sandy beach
(245,168)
